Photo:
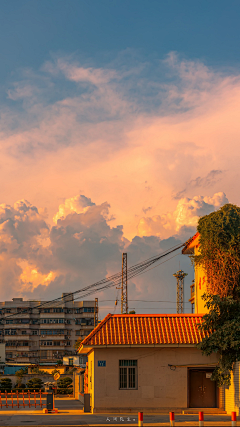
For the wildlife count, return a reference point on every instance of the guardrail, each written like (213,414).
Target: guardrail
(24,398)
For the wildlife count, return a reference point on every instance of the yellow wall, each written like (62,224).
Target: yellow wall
(200,287)
(91,388)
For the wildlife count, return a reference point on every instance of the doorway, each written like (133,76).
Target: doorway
(202,390)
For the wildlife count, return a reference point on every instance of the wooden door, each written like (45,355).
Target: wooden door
(202,390)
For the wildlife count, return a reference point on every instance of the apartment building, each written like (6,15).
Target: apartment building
(42,331)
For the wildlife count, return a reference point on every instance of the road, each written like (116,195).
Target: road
(71,414)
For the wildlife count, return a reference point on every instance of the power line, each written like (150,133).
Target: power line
(107,282)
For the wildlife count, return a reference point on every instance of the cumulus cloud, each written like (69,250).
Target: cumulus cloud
(77,204)
(185,215)
(137,133)
(42,261)
(145,136)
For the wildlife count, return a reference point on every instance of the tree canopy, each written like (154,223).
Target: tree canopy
(220,258)
(220,250)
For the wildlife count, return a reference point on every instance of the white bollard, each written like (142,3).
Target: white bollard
(201,419)
(234,419)
(140,418)
(172,418)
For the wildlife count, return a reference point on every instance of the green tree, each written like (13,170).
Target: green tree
(6,384)
(65,385)
(20,374)
(34,384)
(220,258)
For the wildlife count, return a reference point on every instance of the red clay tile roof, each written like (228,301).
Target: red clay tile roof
(146,329)
(191,243)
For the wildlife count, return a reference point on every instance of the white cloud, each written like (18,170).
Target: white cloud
(186,214)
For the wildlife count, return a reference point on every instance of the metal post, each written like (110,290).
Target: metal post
(124,297)
(201,418)
(171,419)
(234,419)
(140,419)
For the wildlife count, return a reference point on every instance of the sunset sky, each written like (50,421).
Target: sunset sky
(119,127)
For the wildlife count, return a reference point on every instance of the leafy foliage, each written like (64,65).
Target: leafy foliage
(222,323)
(20,374)
(220,258)
(37,370)
(6,384)
(34,384)
(220,250)
(55,371)
(78,343)
(65,385)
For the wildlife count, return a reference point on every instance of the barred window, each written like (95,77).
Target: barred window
(127,374)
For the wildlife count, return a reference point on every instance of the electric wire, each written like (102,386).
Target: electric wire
(113,280)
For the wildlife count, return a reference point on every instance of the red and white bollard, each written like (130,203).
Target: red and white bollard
(172,418)
(140,418)
(201,418)
(234,419)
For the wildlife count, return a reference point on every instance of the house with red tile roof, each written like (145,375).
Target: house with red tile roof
(149,362)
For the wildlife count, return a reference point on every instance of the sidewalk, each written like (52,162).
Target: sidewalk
(73,417)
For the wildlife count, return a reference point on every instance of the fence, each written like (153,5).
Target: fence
(25,399)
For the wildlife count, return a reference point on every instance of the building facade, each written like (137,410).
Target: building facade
(149,362)
(44,332)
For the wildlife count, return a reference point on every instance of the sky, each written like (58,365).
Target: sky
(119,128)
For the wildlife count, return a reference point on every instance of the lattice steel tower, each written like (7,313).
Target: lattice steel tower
(180,290)
(124,296)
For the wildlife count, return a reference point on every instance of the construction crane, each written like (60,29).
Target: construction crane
(180,290)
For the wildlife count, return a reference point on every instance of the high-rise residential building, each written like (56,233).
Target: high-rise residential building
(45,331)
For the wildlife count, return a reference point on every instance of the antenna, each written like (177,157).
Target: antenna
(124,297)
(180,290)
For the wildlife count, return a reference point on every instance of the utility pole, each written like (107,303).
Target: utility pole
(180,290)
(96,312)
(124,296)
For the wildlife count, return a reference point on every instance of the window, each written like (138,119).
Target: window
(8,310)
(56,343)
(127,374)
(47,342)
(24,332)
(46,310)
(58,310)
(13,332)
(52,320)
(34,332)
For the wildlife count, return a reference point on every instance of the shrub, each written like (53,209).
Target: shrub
(65,386)
(34,384)
(6,384)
